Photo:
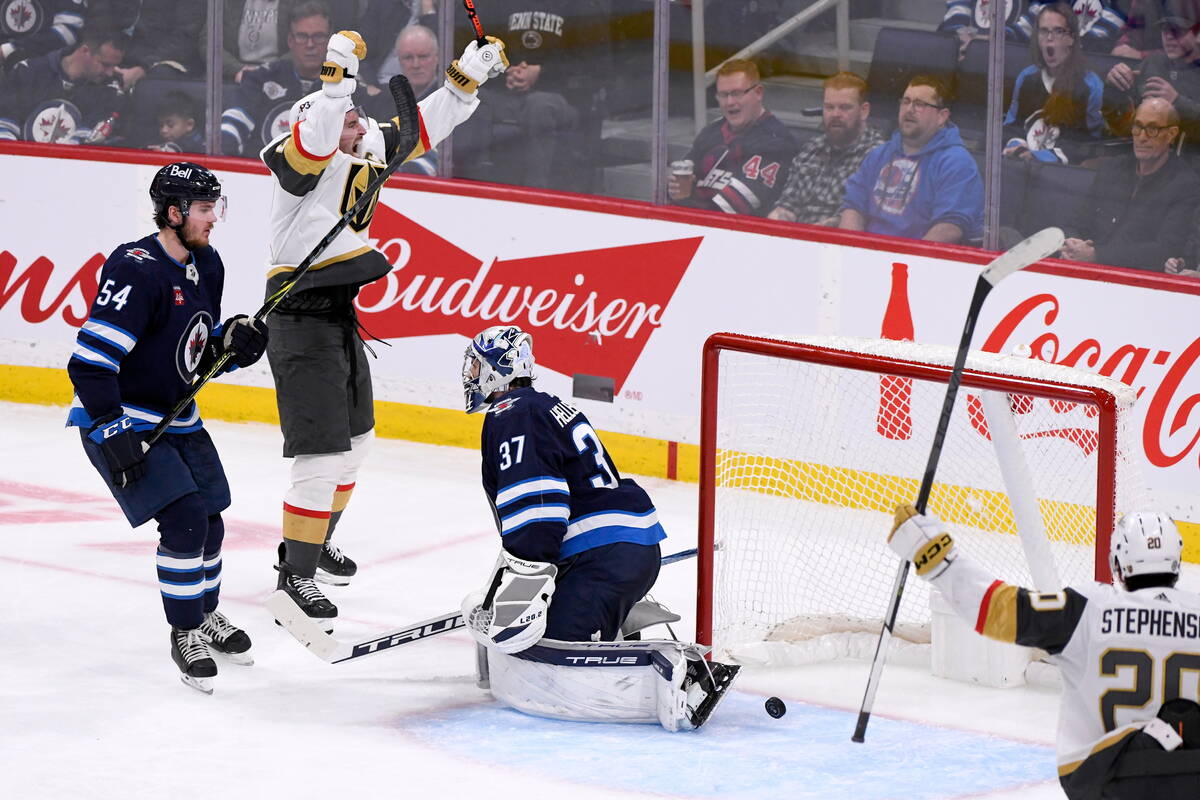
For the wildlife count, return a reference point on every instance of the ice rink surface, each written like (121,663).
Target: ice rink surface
(91,705)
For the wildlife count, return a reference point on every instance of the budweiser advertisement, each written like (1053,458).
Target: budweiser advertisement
(626,296)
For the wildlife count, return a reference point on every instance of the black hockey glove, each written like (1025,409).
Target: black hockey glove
(121,446)
(246,338)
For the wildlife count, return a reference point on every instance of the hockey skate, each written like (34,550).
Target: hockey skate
(190,653)
(706,684)
(335,567)
(306,595)
(226,638)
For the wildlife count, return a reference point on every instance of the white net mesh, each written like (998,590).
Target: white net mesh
(813,458)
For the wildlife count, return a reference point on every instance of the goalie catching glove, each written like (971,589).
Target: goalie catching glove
(340,69)
(921,539)
(510,615)
(466,73)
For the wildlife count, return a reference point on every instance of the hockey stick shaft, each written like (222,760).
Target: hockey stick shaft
(406,111)
(474,17)
(1029,251)
(309,633)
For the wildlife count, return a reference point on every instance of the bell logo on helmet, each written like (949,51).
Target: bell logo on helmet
(179,171)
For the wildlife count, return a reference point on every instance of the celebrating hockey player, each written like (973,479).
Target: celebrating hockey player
(151,329)
(1127,655)
(322,378)
(579,548)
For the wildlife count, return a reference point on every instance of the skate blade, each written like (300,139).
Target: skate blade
(241,659)
(329,578)
(199,684)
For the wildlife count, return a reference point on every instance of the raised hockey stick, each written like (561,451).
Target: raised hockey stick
(479,37)
(409,134)
(309,633)
(1038,246)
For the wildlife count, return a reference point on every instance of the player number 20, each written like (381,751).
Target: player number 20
(1137,668)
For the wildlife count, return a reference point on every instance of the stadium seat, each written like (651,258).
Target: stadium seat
(970,106)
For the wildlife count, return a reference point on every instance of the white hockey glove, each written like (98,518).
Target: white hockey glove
(510,615)
(921,539)
(466,73)
(340,69)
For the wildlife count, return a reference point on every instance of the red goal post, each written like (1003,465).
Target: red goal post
(807,444)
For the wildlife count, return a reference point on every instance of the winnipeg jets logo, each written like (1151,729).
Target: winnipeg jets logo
(139,254)
(504,405)
(191,345)
(52,121)
(20,16)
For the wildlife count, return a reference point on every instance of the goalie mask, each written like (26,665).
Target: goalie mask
(494,359)
(1146,543)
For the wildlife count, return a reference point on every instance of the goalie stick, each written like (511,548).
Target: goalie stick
(409,134)
(1038,246)
(309,633)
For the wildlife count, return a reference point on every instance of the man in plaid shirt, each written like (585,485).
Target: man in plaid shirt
(815,188)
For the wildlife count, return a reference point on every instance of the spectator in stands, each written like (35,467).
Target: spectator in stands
(971,19)
(255,32)
(921,184)
(68,96)
(548,108)
(382,23)
(258,108)
(1141,36)
(176,116)
(417,53)
(1172,74)
(1055,111)
(1101,23)
(815,188)
(1139,208)
(162,35)
(743,160)
(28,30)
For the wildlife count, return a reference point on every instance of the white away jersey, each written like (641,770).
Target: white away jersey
(1121,654)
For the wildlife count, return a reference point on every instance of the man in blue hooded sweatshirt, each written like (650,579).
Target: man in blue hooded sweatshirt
(922,183)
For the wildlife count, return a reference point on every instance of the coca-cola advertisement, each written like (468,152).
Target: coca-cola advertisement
(625,295)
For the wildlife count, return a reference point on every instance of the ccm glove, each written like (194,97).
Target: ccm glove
(246,338)
(340,69)
(510,615)
(921,539)
(466,73)
(121,446)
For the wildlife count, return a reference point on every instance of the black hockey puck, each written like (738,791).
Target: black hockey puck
(775,707)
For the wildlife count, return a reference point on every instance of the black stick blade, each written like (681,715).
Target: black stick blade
(406,113)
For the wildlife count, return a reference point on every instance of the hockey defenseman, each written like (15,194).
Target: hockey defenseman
(150,330)
(579,548)
(322,378)
(1128,656)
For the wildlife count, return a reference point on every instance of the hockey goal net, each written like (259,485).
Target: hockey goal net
(807,446)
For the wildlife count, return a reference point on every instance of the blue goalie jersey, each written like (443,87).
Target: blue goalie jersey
(554,490)
(142,342)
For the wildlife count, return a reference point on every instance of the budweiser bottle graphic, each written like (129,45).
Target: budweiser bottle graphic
(894,420)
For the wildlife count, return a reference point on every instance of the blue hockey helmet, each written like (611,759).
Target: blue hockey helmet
(494,359)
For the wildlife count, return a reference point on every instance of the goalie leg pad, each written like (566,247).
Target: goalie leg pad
(585,681)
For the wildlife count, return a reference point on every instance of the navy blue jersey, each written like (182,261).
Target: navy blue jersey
(553,488)
(39,103)
(259,106)
(141,344)
(33,27)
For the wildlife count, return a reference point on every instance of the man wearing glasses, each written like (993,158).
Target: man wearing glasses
(257,110)
(921,184)
(1172,74)
(1139,209)
(742,161)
